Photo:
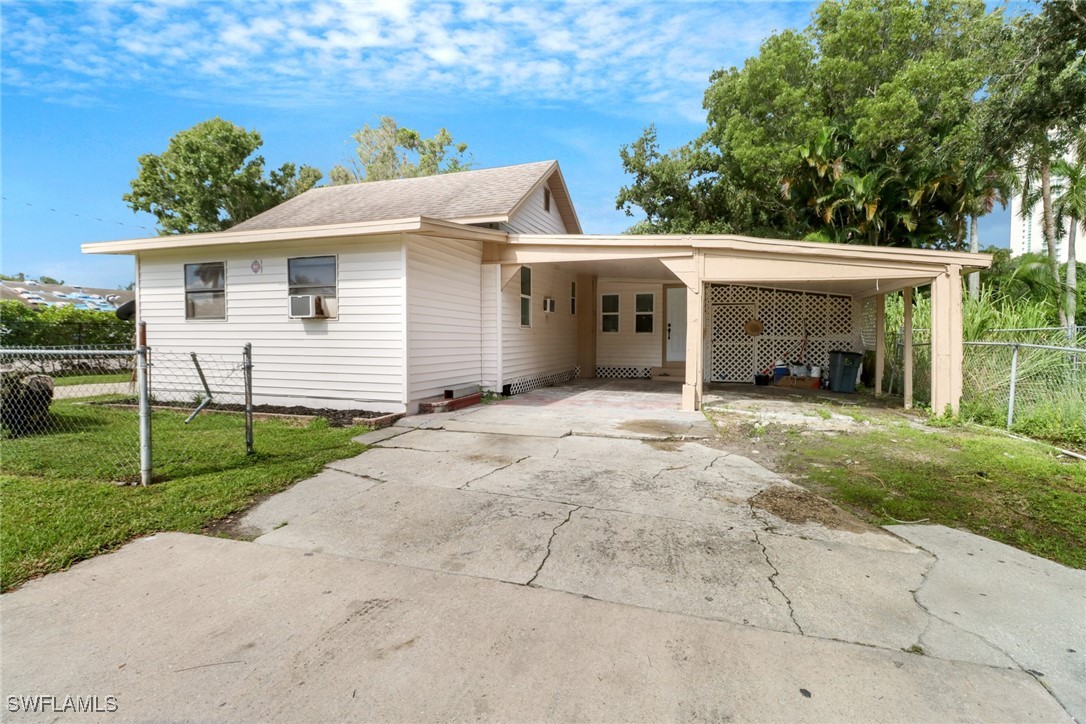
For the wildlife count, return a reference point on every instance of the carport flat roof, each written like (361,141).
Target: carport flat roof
(733,242)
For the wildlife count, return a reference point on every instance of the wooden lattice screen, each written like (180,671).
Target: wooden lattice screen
(786,316)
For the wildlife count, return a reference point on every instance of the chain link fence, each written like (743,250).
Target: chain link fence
(1035,389)
(126,415)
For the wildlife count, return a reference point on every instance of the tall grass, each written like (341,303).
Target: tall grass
(1050,395)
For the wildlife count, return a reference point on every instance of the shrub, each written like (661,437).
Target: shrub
(21,326)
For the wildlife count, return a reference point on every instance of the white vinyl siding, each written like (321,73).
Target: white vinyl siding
(444,313)
(490,278)
(550,344)
(531,218)
(628,348)
(353,362)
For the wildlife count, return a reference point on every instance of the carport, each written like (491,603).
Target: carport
(820,296)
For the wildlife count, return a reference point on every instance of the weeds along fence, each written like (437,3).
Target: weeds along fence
(124,414)
(1034,389)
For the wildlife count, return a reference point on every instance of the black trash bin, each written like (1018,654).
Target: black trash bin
(843,367)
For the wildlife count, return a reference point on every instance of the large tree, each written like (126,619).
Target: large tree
(1035,109)
(856,129)
(388,151)
(208,179)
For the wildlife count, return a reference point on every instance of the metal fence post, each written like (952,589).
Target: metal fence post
(1014,380)
(247,365)
(143,382)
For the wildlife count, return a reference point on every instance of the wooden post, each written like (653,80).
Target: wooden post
(695,348)
(907,352)
(880,341)
(946,341)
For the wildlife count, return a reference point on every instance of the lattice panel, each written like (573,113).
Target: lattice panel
(624,372)
(730,294)
(528,383)
(867,323)
(786,316)
(732,351)
(839,319)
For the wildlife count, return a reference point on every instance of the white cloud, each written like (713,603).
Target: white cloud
(603,53)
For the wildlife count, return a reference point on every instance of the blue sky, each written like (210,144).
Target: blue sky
(89,86)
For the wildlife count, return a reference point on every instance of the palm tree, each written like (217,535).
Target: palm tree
(983,186)
(1070,208)
(1037,186)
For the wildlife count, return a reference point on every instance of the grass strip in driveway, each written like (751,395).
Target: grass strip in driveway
(1014,491)
(55,511)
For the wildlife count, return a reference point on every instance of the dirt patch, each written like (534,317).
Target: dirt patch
(230,525)
(797,505)
(655,427)
(665,445)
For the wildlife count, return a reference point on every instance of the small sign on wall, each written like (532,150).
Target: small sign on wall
(257,266)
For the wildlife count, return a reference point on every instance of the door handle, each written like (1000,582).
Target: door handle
(669,331)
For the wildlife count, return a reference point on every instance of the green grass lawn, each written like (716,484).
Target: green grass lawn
(92,379)
(1018,492)
(59,504)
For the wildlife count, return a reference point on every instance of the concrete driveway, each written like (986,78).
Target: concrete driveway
(579,552)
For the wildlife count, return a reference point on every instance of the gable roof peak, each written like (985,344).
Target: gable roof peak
(478,195)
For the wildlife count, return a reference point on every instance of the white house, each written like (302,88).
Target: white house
(380,295)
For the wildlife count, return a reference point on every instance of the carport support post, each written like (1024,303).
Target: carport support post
(695,348)
(946,341)
(880,341)
(907,348)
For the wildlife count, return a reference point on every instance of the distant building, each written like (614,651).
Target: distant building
(1027,231)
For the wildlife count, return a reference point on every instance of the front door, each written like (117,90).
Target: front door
(675,343)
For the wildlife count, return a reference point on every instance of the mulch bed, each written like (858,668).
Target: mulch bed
(335,418)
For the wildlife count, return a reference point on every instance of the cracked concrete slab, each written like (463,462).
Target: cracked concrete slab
(380,435)
(444,530)
(614,484)
(469,443)
(507,428)
(276,634)
(665,565)
(422,467)
(1030,609)
(328,489)
(850,593)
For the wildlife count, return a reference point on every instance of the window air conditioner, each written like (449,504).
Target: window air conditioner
(306,306)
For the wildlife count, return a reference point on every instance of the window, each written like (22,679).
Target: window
(525,296)
(609,312)
(643,313)
(546,199)
(314,275)
(205,290)
(573,298)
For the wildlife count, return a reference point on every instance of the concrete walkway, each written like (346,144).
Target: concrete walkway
(580,552)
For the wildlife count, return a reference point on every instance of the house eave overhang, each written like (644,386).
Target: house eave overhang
(752,246)
(420,225)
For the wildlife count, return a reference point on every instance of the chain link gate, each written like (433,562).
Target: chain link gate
(124,414)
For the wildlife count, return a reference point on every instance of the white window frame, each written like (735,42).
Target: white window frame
(527,297)
(290,293)
(650,314)
(187,291)
(617,314)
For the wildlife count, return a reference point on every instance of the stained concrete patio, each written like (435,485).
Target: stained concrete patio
(579,552)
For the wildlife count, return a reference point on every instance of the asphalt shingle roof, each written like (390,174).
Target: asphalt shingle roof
(463,195)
